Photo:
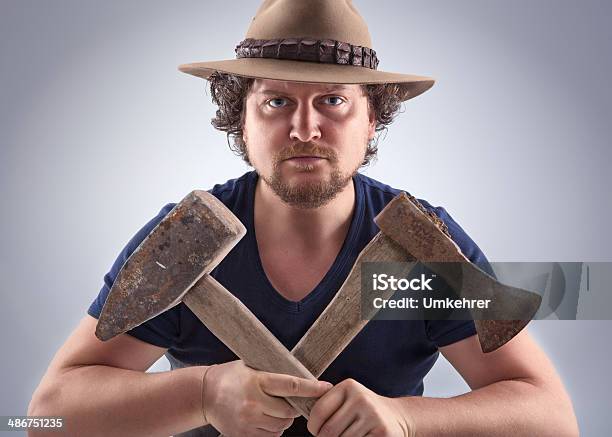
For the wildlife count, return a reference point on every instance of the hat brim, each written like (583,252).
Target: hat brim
(302,71)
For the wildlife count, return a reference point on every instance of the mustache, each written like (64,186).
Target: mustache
(306,149)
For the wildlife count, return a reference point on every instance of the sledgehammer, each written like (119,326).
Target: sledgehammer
(172,265)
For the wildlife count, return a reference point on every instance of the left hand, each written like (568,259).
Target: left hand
(350,409)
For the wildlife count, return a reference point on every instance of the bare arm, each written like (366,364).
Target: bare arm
(516,392)
(100,389)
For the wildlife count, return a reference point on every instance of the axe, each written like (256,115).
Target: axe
(512,308)
(409,235)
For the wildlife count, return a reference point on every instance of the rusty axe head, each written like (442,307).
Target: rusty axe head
(188,243)
(406,222)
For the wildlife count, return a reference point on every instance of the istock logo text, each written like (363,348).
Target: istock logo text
(384,282)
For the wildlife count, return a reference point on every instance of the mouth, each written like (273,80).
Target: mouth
(313,157)
(305,159)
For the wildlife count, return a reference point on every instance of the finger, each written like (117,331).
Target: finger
(324,408)
(250,431)
(359,427)
(278,407)
(264,433)
(256,432)
(340,420)
(272,424)
(276,384)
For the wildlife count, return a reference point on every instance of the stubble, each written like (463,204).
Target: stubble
(310,194)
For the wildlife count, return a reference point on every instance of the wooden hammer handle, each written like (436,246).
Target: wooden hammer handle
(234,324)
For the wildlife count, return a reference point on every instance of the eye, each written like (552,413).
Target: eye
(277,102)
(333,100)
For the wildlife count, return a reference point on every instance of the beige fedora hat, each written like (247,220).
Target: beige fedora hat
(323,41)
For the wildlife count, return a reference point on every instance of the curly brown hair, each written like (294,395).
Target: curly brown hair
(229,93)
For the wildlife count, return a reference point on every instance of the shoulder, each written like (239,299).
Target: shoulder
(375,191)
(233,190)
(227,192)
(378,194)
(163,329)
(141,234)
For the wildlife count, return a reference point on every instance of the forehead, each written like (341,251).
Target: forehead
(268,86)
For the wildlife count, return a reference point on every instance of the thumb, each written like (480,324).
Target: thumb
(275,384)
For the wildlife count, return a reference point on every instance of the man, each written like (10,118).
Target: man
(304,113)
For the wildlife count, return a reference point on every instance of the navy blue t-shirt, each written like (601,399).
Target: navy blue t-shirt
(389,357)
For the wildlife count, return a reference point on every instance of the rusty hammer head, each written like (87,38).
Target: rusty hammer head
(188,243)
(406,221)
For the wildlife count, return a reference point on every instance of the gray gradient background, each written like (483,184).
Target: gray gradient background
(98,130)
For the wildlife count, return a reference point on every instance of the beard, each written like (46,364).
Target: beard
(312,194)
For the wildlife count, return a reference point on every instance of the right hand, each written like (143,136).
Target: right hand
(240,401)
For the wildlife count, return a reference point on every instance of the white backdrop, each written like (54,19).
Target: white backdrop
(98,130)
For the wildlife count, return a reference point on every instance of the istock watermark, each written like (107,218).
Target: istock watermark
(462,291)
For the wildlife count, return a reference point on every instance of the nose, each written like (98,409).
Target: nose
(305,124)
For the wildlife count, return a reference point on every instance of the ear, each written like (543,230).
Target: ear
(371,122)
(243,126)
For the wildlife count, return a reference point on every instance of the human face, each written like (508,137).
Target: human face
(306,140)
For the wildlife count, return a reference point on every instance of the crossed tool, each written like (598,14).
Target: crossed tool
(173,263)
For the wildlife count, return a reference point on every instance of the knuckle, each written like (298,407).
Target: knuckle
(245,413)
(348,383)
(273,426)
(361,400)
(245,405)
(359,404)
(379,432)
(327,431)
(281,425)
(294,385)
(310,425)
(289,412)
(385,431)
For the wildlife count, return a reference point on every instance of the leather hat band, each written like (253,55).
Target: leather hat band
(327,51)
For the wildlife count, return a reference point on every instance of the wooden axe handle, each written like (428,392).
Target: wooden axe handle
(343,318)
(234,324)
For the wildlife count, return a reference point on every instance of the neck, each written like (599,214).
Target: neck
(280,224)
